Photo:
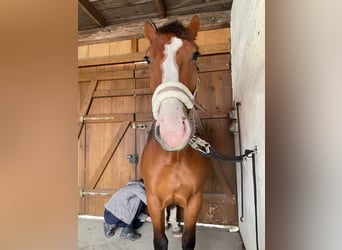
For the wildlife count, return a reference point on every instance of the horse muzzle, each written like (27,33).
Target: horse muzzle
(170,103)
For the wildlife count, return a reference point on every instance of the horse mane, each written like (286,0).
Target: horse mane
(178,29)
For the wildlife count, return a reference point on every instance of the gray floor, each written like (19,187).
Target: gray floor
(91,237)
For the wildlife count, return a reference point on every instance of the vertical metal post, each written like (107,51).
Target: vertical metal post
(238,104)
(241,163)
(255,202)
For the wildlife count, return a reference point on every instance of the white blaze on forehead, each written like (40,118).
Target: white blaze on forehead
(169,66)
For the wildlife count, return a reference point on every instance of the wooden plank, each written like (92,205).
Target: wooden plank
(122,92)
(216,165)
(144,117)
(108,155)
(86,103)
(213,63)
(220,48)
(119,47)
(124,74)
(208,21)
(139,56)
(134,57)
(213,115)
(142,73)
(98,50)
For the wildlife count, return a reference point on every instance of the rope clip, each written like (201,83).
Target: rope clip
(200,145)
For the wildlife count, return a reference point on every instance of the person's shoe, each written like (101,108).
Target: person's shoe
(109,229)
(128,233)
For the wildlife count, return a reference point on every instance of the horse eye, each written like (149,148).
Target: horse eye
(147,59)
(195,55)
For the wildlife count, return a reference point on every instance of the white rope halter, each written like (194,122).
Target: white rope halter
(171,89)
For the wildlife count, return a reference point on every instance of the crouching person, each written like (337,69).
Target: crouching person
(123,210)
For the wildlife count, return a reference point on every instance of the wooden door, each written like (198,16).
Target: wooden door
(120,95)
(214,102)
(107,138)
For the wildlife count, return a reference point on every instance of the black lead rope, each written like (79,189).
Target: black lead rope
(207,150)
(248,154)
(216,155)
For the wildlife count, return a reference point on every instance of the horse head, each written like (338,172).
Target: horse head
(172,57)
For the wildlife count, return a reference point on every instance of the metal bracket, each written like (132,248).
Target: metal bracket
(134,158)
(139,125)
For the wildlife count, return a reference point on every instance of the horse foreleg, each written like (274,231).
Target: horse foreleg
(156,212)
(191,212)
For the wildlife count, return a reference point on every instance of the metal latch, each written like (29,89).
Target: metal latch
(139,125)
(133,158)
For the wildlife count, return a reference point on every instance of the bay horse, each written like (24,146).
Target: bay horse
(173,172)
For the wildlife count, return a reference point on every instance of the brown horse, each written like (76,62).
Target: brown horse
(173,172)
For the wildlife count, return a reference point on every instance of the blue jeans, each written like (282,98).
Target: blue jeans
(112,219)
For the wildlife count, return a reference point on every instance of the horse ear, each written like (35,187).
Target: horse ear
(149,31)
(194,26)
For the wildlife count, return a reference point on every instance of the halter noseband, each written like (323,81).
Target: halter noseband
(171,89)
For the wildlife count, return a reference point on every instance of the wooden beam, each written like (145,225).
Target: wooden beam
(123,74)
(86,103)
(221,48)
(144,117)
(160,8)
(122,92)
(208,20)
(92,13)
(128,58)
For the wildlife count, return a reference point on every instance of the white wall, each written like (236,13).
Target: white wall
(248,77)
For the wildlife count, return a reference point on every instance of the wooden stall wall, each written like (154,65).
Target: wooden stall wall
(115,117)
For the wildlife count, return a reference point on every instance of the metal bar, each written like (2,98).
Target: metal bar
(241,163)
(106,118)
(255,202)
(88,193)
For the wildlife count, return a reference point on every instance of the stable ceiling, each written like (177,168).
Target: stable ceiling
(100,20)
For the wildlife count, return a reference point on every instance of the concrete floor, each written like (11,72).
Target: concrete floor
(91,237)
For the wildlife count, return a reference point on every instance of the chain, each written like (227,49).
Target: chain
(199,145)
(206,149)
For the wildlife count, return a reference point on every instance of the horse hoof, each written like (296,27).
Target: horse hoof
(177,234)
